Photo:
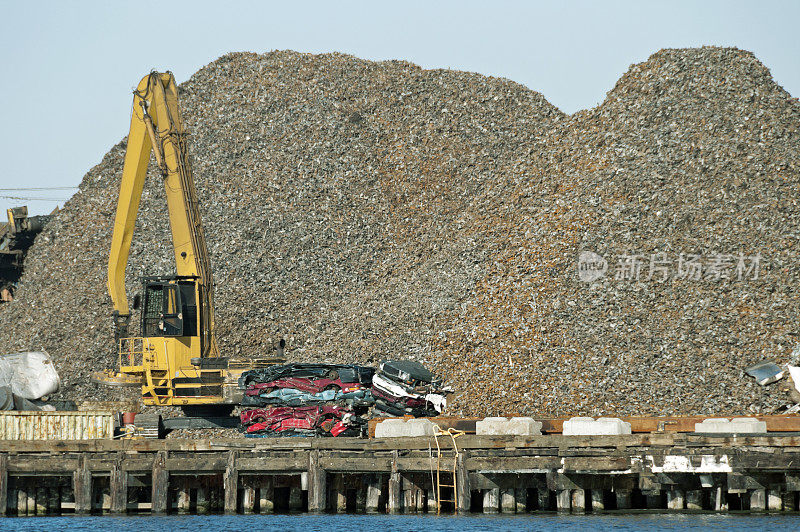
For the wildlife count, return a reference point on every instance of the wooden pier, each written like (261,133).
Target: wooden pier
(668,472)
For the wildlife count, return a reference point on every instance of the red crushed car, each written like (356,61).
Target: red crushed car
(324,420)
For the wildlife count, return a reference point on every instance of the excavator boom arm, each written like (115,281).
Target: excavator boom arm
(156,125)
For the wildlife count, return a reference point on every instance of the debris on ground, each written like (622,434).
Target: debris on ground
(766,372)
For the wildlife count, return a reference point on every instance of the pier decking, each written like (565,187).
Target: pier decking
(668,471)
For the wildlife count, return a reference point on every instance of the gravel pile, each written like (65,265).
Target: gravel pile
(369,210)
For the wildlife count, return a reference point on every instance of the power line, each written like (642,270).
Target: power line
(38,188)
(29,198)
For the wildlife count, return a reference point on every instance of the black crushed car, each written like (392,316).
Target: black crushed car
(409,373)
(348,373)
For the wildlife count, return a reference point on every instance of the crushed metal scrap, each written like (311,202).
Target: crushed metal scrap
(335,400)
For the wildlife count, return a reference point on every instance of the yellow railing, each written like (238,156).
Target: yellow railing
(134,351)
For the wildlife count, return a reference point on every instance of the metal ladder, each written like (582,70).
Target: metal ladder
(442,463)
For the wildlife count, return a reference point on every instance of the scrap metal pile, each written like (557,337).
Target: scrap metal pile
(362,208)
(335,399)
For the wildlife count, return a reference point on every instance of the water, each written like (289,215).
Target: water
(404,523)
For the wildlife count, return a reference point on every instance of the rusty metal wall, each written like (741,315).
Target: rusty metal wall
(56,425)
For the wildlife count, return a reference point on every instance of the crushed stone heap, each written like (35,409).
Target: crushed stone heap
(368,210)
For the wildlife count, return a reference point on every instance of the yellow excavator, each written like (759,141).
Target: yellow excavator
(175,358)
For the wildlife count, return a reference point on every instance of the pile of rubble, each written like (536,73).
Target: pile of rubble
(366,211)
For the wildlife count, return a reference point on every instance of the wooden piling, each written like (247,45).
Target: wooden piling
(420,497)
(373,482)
(653,501)
(266,497)
(491,500)
(22,501)
(203,502)
(508,502)
(41,501)
(543,498)
(409,504)
(788,501)
(361,498)
(317,484)
(43,498)
(160,484)
(184,501)
(675,499)
(774,500)
(31,505)
(720,503)
(230,482)
(598,504)
(395,486)
(430,500)
(54,500)
(564,500)
(248,496)
(462,488)
(105,498)
(758,500)
(296,499)
(82,487)
(623,499)
(578,501)
(4,485)
(411,494)
(521,500)
(118,480)
(338,494)
(694,499)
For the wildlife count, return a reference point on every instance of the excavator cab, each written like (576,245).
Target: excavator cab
(170,307)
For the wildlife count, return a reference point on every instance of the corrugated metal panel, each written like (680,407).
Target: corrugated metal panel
(56,425)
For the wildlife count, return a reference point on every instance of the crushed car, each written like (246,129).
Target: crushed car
(304,385)
(405,387)
(295,397)
(304,421)
(344,372)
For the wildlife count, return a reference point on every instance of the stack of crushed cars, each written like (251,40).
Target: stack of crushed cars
(306,400)
(333,399)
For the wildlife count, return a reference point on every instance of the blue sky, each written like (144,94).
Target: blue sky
(69,66)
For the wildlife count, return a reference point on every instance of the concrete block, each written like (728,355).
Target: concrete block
(749,425)
(400,428)
(604,426)
(420,427)
(516,426)
(741,425)
(389,428)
